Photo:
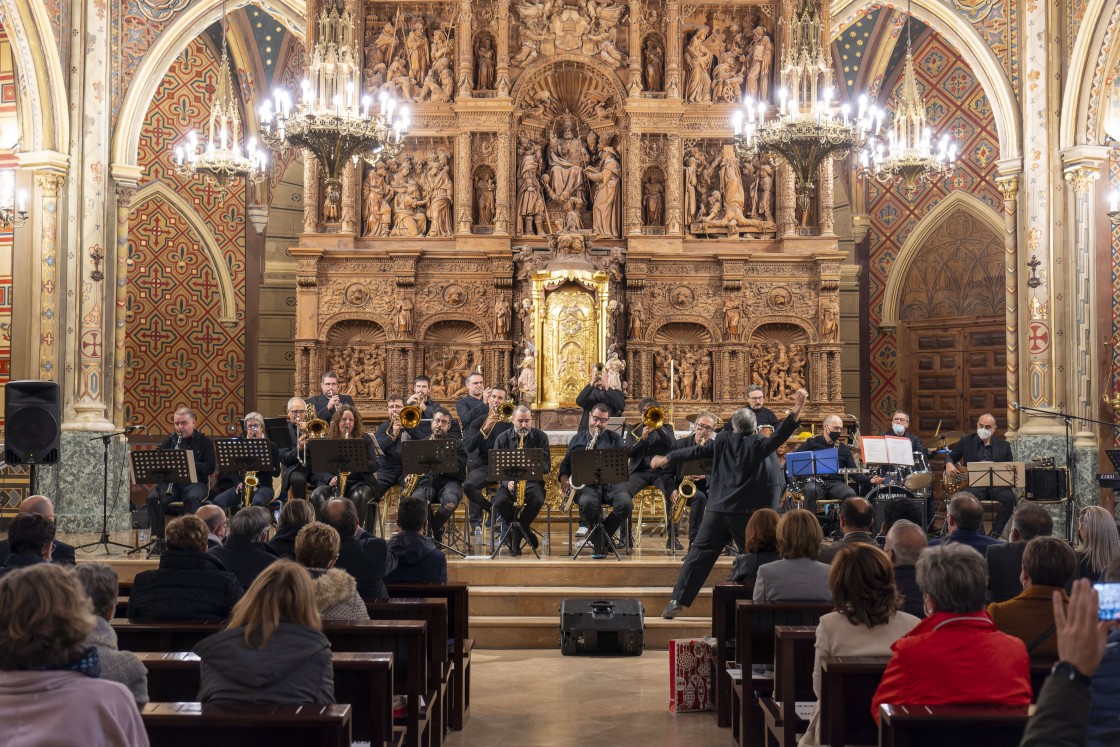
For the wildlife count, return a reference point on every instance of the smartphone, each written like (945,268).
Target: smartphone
(1109,595)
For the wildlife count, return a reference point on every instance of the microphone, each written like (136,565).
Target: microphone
(1013,405)
(131,428)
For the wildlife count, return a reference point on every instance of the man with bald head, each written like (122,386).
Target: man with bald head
(830,487)
(985,446)
(216,524)
(41,505)
(905,542)
(965,523)
(368,559)
(856,520)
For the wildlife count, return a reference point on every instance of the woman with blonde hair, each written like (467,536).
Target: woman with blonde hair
(1099,544)
(336,591)
(347,423)
(49,686)
(272,650)
(760,547)
(798,575)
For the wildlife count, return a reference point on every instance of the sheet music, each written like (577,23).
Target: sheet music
(887,450)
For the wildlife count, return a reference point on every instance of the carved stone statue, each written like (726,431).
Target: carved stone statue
(376,202)
(608,194)
(404,316)
(567,157)
(438,190)
(614,367)
(694,166)
(439,84)
(829,321)
(484,196)
(653,65)
(731,318)
(530,198)
(726,83)
(731,185)
(502,314)
(698,63)
(331,204)
(635,319)
(653,201)
(418,51)
(486,75)
(759,62)
(534,31)
(527,377)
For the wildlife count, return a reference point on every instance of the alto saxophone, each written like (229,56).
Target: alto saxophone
(686,491)
(521,483)
(251,482)
(410,483)
(566,504)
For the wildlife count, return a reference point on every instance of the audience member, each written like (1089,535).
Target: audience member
(868,617)
(49,686)
(759,548)
(955,655)
(1104,711)
(905,543)
(30,539)
(336,591)
(368,560)
(856,521)
(272,650)
(245,552)
(965,522)
(1099,544)
(216,523)
(1005,562)
(418,558)
(900,508)
(189,583)
(797,575)
(294,516)
(1048,565)
(100,583)
(40,504)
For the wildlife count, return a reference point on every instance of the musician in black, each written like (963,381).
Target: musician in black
(596,393)
(764,418)
(190,494)
(389,436)
(446,490)
(704,430)
(481,434)
(347,423)
(985,446)
(326,403)
(264,492)
(522,436)
(737,487)
(642,445)
(830,487)
(588,496)
(294,482)
(474,402)
(900,427)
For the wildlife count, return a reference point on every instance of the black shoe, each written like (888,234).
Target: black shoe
(672,543)
(672,610)
(533,541)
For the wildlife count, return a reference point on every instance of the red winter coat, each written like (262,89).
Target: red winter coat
(952,657)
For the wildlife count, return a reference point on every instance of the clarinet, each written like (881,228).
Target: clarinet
(178,443)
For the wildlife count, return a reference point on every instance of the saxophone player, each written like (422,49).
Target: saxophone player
(522,436)
(347,423)
(186,436)
(481,435)
(704,431)
(649,438)
(446,490)
(263,493)
(588,496)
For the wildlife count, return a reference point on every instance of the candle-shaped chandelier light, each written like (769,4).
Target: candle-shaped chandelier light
(13,204)
(221,159)
(329,120)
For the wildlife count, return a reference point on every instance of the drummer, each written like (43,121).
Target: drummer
(830,487)
(900,428)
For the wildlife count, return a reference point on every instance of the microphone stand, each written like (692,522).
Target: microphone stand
(1071,455)
(104,540)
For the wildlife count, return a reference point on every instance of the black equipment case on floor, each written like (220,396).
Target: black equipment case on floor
(602,626)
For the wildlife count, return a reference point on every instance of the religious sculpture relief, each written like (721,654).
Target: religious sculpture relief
(355,350)
(526,382)
(653,198)
(530,191)
(485,191)
(725,195)
(550,27)
(779,360)
(729,56)
(448,369)
(653,64)
(698,63)
(409,55)
(409,196)
(683,373)
(485,71)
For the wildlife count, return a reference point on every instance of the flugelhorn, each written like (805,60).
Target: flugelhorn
(410,416)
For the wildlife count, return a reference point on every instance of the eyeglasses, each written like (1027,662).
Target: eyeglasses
(597,419)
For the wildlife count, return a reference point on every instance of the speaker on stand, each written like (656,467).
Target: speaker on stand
(32,424)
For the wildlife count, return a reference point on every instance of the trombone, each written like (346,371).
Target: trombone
(653,419)
(314,427)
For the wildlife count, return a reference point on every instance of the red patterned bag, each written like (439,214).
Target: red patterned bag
(690,675)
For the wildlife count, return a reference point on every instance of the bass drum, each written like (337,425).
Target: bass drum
(880,496)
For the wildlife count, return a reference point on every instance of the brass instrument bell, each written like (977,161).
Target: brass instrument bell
(410,416)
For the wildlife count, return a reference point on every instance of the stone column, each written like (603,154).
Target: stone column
(466,51)
(674,186)
(826,199)
(674,86)
(634,87)
(310,192)
(45,323)
(788,219)
(351,189)
(463,167)
(503,48)
(503,210)
(1008,183)
(126,190)
(632,211)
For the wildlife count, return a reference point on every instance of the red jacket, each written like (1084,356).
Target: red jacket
(955,658)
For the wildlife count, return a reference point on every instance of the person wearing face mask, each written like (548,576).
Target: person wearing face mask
(985,446)
(900,427)
(830,487)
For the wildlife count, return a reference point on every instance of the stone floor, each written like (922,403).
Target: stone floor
(539,698)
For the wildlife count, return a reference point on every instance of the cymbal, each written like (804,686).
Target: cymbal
(945,437)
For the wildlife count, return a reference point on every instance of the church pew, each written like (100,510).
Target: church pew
(724,597)
(406,640)
(364,681)
(794,647)
(192,724)
(848,683)
(461,644)
(930,726)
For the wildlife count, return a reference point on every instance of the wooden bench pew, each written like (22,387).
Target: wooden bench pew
(460,644)
(364,681)
(848,684)
(724,597)
(957,725)
(192,724)
(440,665)
(794,647)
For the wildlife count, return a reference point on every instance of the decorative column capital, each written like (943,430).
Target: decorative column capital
(126,191)
(1008,187)
(1081,178)
(49,182)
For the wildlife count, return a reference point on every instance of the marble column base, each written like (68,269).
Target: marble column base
(75,484)
(1086,491)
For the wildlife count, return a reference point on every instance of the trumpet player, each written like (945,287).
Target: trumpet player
(186,436)
(588,496)
(389,436)
(481,435)
(830,487)
(597,393)
(263,493)
(704,430)
(294,482)
(649,438)
(444,489)
(522,436)
(327,402)
(475,402)
(347,423)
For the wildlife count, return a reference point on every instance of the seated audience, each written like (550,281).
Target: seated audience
(30,539)
(1048,565)
(1104,711)
(897,509)
(965,522)
(245,552)
(868,617)
(1096,529)
(1005,562)
(336,591)
(418,558)
(216,523)
(49,687)
(797,575)
(905,543)
(40,504)
(100,583)
(272,650)
(856,521)
(955,655)
(759,548)
(294,516)
(368,559)
(189,583)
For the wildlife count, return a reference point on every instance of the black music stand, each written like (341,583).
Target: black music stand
(517,465)
(278,433)
(162,467)
(429,458)
(338,454)
(996,475)
(104,540)
(597,468)
(243,455)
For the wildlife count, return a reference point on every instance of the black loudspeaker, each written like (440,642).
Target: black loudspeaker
(1046,484)
(32,422)
(602,626)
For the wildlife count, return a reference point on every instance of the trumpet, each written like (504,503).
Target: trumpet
(410,416)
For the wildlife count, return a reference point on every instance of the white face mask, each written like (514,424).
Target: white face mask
(898,429)
(983,433)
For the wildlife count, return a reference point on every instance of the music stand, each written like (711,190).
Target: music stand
(597,468)
(278,433)
(243,455)
(813,463)
(430,458)
(161,466)
(996,474)
(339,454)
(518,465)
